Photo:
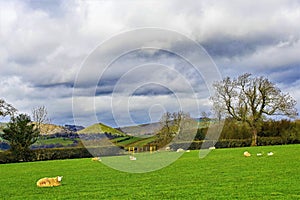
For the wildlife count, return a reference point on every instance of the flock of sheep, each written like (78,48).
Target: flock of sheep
(247,154)
(52,182)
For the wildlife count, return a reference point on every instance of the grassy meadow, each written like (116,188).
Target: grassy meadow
(222,174)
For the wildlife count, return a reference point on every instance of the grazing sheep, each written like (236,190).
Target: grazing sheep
(212,148)
(270,154)
(132,158)
(259,154)
(49,182)
(168,149)
(247,154)
(96,159)
(180,150)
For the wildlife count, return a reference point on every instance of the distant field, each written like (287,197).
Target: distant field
(223,174)
(62,141)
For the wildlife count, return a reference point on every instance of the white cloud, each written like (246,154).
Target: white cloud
(43,46)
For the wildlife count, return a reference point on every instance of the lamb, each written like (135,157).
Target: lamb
(168,148)
(247,154)
(96,159)
(49,182)
(132,158)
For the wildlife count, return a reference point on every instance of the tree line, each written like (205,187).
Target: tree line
(244,104)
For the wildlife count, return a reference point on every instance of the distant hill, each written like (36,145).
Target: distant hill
(73,128)
(100,128)
(142,129)
(50,129)
(153,128)
(47,129)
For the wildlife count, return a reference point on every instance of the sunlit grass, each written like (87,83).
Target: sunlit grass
(223,174)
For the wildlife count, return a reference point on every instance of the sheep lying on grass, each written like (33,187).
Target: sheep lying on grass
(247,154)
(96,159)
(180,150)
(132,158)
(49,182)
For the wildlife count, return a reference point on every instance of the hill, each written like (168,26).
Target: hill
(50,129)
(152,128)
(100,128)
(142,129)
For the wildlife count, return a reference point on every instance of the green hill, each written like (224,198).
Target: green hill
(100,128)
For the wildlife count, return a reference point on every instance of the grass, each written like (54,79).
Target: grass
(61,141)
(223,174)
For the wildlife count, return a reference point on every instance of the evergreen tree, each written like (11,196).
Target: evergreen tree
(21,133)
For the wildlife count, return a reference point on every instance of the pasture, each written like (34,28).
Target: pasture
(223,174)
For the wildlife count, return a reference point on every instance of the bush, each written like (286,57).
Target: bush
(67,153)
(7,157)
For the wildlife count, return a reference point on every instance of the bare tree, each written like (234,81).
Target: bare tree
(170,127)
(40,116)
(250,99)
(6,109)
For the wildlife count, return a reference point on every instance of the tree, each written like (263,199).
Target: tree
(176,126)
(21,133)
(251,99)
(40,116)
(6,109)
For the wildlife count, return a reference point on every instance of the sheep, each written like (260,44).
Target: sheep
(96,159)
(132,158)
(212,148)
(259,154)
(270,154)
(168,148)
(49,182)
(180,150)
(247,154)
(188,151)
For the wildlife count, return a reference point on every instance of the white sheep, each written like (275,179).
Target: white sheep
(259,154)
(247,154)
(49,182)
(96,159)
(180,150)
(132,158)
(270,154)
(212,148)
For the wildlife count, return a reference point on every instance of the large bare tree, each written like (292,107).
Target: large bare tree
(251,99)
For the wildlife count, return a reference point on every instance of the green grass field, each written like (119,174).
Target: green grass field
(62,141)
(223,174)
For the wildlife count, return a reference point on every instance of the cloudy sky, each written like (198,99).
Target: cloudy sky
(127,62)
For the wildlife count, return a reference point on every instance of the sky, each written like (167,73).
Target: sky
(127,62)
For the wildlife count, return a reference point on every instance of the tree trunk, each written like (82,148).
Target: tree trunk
(254,137)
